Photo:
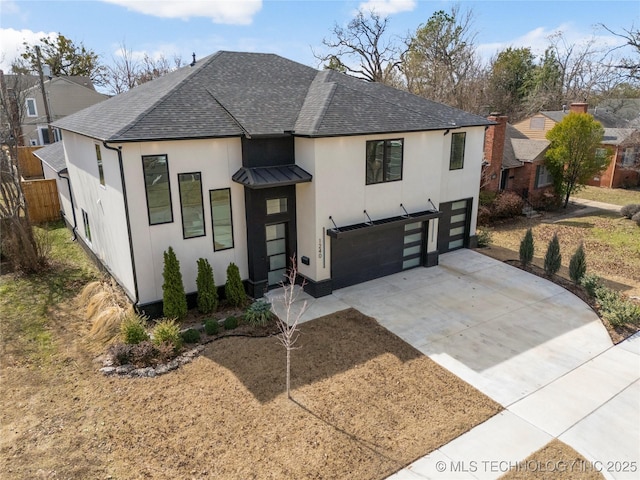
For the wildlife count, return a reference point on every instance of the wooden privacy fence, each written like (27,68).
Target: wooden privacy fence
(42,200)
(30,165)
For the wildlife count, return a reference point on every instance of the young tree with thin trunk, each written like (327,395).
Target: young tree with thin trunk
(19,244)
(574,155)
(288,325)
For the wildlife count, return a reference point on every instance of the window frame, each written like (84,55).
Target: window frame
(462,135)
(539,170)
(213,220)
(536,123)
(204,229)
(35,107)
(385,160)
(100,164)
(628,157)
(146,190)
(86,224)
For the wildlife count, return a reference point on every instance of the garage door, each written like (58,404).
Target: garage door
(453,229)
(375,252)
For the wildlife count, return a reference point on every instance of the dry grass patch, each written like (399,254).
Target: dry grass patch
(615,196)
(555,460)
(366,404)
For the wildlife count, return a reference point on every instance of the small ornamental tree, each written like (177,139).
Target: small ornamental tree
(526,248)
(207,292)
(578,265)
(233,289)
(553,259)
(173,296)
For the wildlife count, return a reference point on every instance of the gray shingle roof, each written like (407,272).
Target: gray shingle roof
(528,150)
(233,94)
(607,119)
(616,136)
(52,155)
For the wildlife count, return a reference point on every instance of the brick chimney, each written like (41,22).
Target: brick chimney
(579,107)
(494,149)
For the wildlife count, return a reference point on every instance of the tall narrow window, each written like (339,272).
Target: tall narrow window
(32,111)
(456,161)
(87,227)
(384,161)
(221,218)
(190,185)
(99,160)
(158,189)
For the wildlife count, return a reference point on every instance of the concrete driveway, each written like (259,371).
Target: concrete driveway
(525,342)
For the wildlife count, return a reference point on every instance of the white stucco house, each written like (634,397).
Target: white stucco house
(252,158)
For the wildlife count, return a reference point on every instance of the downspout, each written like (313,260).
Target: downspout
(73,207)
(126,212)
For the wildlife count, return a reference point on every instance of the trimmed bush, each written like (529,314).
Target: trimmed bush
(144,354)
(484,215)
(207,292)
(258,314)
(636,218)
(120,353)
(484,237)
(230,323)
(591,283)
(167,330)
(486,197)
(526,248)
(507,205)
(211,326)
(553,259)
(190,336)
(233,289)
(173,297)
(133,329)
(630,210)
(617,309)
(578,265)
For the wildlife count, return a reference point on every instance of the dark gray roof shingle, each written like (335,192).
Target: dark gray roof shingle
(52,155)
(233,94)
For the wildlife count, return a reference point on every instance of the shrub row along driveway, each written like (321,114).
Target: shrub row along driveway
(525,342)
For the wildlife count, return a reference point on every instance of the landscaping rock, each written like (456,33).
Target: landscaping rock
(108,370)
(124,369)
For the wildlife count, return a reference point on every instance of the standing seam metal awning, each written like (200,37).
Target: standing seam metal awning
(364,228)
(267,177)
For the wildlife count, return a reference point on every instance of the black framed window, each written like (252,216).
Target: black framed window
(157,188)
(456,161)
(32,111)
(221,218)
(99,161)
(384,160)
(190,185)
(87,227)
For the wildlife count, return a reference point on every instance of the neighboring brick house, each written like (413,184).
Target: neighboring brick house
(623,142)
(513,161)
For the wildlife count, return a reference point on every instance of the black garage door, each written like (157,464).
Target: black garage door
(376,251)
(453,229)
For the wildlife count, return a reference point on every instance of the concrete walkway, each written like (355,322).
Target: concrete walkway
(595,205)
(525,342)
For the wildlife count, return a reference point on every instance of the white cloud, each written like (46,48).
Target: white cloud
(538,40)
(388,7)
(234,12)
(11,44)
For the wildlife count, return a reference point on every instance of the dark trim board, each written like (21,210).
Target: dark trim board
(318,289)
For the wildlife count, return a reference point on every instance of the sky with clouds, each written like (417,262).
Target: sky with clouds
(292,29)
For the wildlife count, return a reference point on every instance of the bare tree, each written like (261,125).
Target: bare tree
(440,62)
(126,72)
(19,243)
(363,49)
(290,316)
(631,65)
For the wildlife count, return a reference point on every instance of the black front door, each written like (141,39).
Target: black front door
(271,235)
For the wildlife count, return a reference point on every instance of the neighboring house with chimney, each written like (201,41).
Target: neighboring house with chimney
(620,140)
(514,162)
(251,158)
